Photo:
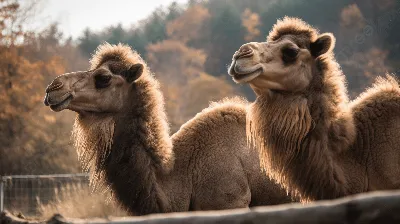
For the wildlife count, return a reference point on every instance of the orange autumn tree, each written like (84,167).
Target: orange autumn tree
(186,86)
(30,142)
(251,21)
(17,95)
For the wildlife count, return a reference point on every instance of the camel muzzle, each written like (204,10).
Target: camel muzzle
(56,98)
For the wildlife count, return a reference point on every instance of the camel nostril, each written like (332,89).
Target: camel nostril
(245,48)
(54,86)
(244,52)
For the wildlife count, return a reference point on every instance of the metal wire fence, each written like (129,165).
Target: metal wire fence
(24,193)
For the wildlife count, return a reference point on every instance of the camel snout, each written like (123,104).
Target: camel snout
(57,96)
(54,85)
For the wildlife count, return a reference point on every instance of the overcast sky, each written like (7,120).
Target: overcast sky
(74,16)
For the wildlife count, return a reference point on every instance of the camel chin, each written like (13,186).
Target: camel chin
(61,105)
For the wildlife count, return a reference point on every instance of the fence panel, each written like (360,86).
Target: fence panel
(24,193)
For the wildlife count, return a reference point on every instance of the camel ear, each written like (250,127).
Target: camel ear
(324,44)
(133,73)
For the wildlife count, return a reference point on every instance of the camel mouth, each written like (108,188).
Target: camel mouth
(242,74)
(59,106)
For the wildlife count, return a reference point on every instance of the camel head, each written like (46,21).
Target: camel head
(287,61)
(102,89)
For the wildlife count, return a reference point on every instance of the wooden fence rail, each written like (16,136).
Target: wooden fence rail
(376,207)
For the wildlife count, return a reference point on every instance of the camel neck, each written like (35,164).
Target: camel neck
(299,136)
(141,151)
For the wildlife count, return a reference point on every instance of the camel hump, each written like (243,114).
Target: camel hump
(384,91)
(220,114)
(381,100)
(234,108)
(226,111)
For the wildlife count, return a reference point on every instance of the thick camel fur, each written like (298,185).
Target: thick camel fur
(122,137)
(310,138)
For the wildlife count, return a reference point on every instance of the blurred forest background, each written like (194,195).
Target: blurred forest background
(188,47)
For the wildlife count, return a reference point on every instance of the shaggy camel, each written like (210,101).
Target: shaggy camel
(122,137)
(310,138)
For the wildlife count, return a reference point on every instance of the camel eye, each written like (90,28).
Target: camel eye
(102,81)
(289,54)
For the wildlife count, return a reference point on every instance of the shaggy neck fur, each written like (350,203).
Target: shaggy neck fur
(126,153)
(300,134)
(93,137)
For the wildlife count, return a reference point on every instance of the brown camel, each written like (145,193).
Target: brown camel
(311,139)
(122,136)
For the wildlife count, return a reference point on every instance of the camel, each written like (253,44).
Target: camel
(122,137)
(310,137)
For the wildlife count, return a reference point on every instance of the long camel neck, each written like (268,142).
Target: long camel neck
(301,135)
(141,151)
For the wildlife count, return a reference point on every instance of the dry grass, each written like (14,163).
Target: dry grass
(77,201)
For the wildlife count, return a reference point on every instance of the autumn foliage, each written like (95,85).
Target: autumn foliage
(30,136)
(186,87)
